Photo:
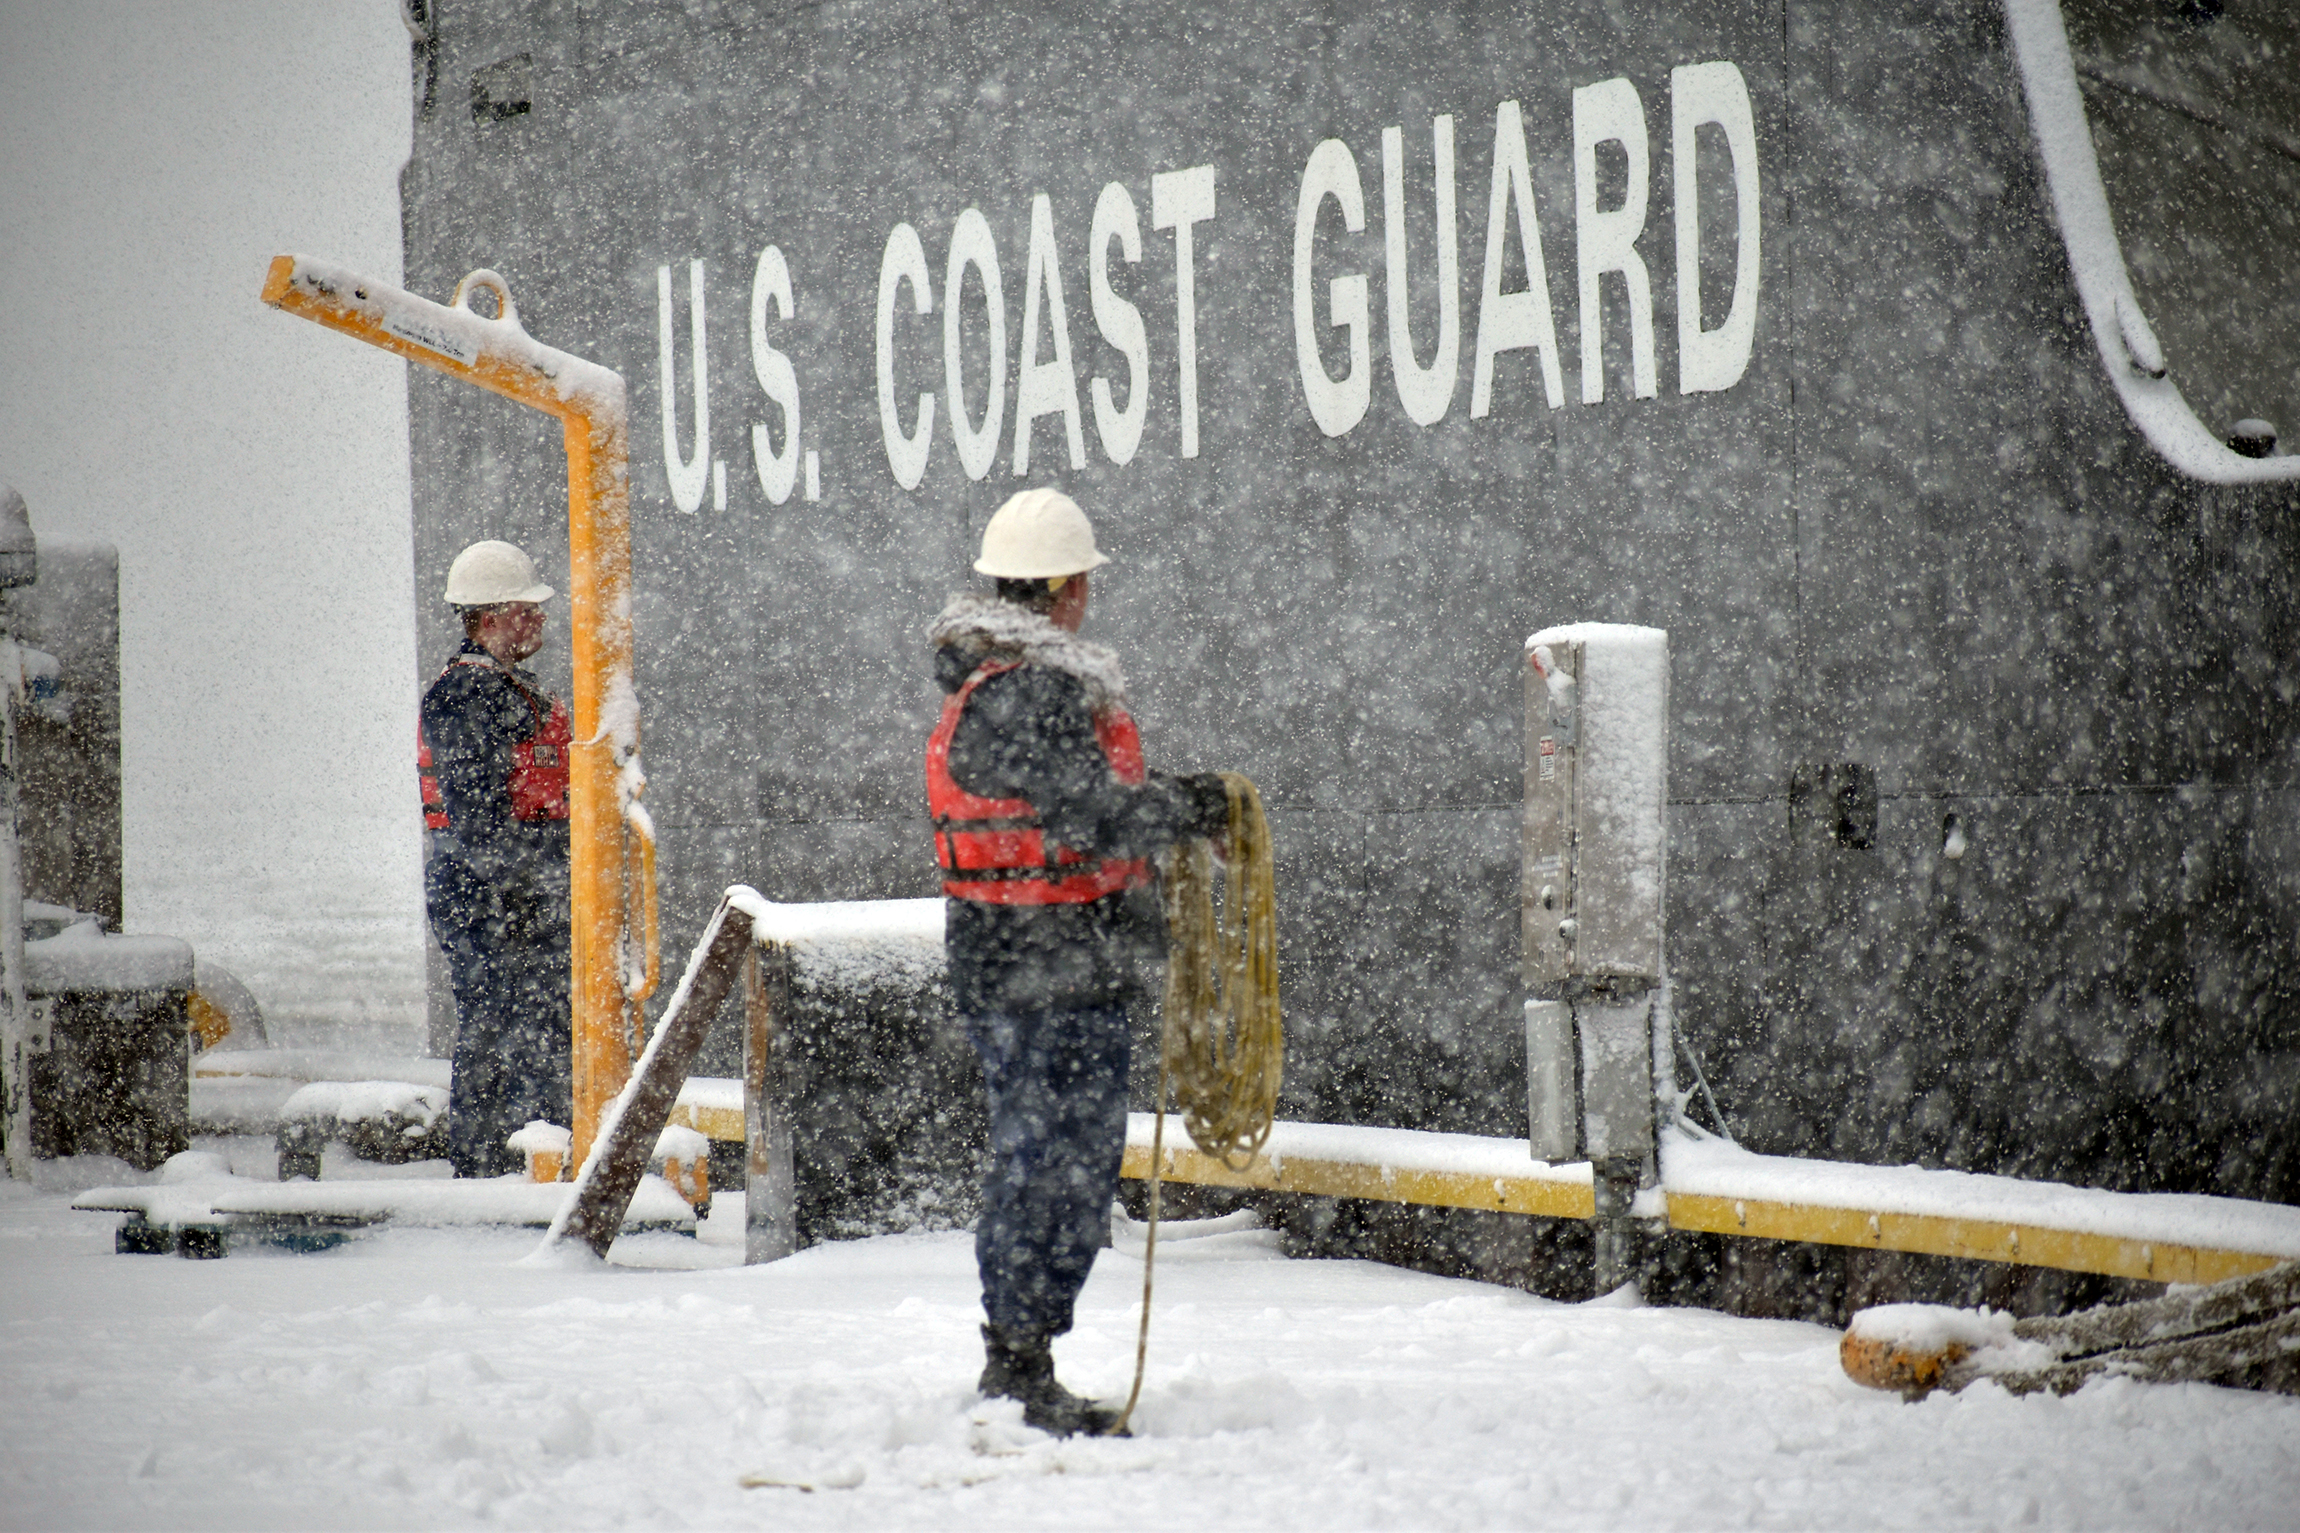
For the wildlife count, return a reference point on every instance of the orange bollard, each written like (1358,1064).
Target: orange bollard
(690,1179)
(545,1145)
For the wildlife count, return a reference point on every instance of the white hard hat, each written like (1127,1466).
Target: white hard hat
(491,572)
(1039,535)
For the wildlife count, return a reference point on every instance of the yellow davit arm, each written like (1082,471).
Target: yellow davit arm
(614,960)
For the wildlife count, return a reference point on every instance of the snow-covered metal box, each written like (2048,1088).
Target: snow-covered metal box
(1596,801)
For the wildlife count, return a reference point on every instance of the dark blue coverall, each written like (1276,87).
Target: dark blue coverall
(1043,989)
(496,889)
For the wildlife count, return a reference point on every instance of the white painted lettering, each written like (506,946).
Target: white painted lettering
(1708,360)
(1335,404)
(1609,111)
(1120,323)
(1045,388)
(688,476)
(971,245)
(904,261)
(778,379)
(1509,321)
(1426,392)
(1179,199)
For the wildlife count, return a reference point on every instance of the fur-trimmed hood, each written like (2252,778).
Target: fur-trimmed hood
(981,628)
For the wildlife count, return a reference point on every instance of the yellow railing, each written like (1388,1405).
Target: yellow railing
(1984,1240)
(1998,1219)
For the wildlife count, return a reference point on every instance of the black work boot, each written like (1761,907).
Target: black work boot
(1019,1365)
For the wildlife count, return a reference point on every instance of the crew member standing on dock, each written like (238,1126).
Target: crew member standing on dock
(1044,824)
(493,755)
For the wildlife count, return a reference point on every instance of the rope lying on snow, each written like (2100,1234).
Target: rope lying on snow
(1224,1045)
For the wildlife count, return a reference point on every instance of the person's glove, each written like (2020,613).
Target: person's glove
(1209,800)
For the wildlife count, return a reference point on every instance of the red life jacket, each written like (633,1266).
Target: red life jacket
(994,849)
(539,764)
(434,807)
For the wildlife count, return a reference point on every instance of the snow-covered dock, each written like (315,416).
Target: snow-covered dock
(423,1378)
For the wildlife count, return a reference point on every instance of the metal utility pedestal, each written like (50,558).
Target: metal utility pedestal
(1596,843)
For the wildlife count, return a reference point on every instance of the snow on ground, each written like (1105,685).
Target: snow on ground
(420,1378)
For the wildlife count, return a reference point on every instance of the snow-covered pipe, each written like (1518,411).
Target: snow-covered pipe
(2135,363)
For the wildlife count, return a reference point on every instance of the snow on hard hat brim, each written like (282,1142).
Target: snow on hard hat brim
(1039,535)
(490,573)
(536,593)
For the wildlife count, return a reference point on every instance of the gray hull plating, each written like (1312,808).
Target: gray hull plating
(1917,533)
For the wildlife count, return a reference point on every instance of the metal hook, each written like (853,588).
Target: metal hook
(507,312)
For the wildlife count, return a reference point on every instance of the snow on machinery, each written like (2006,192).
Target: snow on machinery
(614,955)
(614,951)
(101,1030)
(1593,895)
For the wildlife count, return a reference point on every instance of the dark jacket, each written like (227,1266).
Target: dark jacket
(472,717)
(1028,733)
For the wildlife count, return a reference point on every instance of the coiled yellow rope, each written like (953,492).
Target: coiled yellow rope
(1223,1051)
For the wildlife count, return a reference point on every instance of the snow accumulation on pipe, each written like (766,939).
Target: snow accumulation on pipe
(2128,347)
(460,334)
(1390,1165)
(1714,1168)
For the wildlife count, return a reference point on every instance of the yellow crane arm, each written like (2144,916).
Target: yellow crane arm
(613,853)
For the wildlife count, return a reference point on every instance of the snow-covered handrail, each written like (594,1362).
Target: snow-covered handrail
(2128,346)
(1720,1188)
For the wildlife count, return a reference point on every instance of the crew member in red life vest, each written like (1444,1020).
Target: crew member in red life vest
(1045,822)
(493,758)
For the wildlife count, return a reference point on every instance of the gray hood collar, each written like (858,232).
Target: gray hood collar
(996,630)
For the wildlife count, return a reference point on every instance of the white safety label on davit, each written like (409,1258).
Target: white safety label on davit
(432,338)
(1548,760)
